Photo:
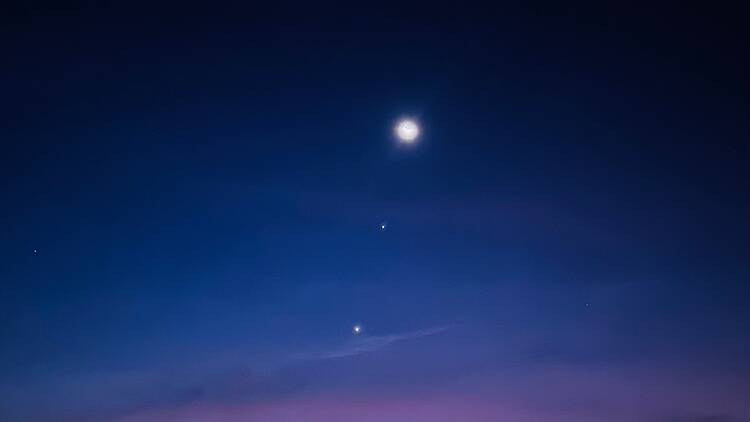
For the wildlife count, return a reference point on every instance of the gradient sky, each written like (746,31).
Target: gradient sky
(192,198)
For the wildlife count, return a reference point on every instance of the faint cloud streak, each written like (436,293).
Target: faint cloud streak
(369,344)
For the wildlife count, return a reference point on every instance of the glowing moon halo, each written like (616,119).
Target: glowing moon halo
(407,131)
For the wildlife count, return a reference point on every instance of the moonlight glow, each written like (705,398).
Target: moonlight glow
(407,131)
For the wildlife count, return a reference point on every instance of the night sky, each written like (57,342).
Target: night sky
(201,201)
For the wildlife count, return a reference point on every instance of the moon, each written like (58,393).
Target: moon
(407,131)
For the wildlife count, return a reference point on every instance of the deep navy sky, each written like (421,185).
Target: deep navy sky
(192,196)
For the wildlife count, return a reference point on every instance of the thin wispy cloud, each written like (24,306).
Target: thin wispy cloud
(368,344)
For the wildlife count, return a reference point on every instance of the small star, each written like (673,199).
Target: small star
(588,305)
(35,251)
(357,329)
(383,226)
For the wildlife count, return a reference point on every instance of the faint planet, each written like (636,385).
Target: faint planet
(407,131)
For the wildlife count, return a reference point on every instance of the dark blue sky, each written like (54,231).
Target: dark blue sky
(192,198)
